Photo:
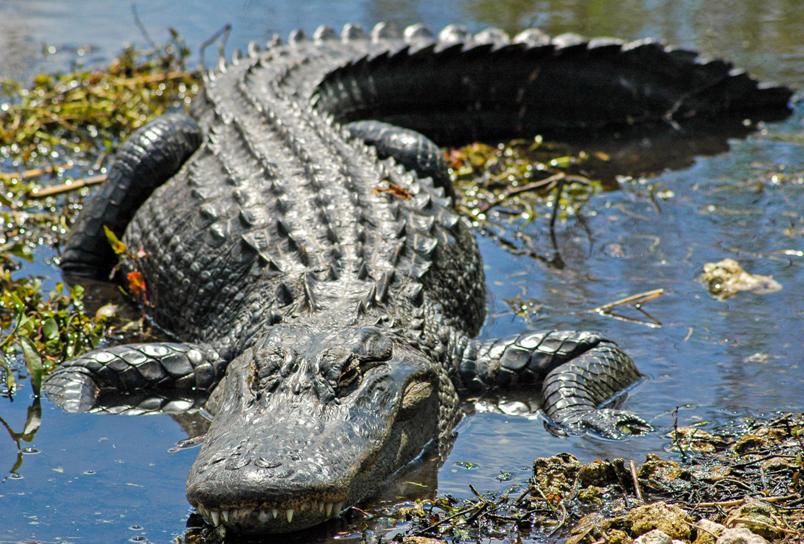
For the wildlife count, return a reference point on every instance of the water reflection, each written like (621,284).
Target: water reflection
(33,422)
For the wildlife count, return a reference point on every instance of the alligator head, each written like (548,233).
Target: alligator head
(310,423)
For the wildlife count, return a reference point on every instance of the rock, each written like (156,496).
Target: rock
(670,519)
(726,278)
(591,494)
(654,537)
(758,517)
(707,531)
(556,474)
(596,473)
(740,535)
(657,468)
(422,540)
(616,536)
(694,438)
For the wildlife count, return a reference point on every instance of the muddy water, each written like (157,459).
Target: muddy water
(111,479)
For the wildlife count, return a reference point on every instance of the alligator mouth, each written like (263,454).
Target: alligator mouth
(272,517)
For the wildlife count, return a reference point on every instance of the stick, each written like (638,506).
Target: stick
(67,187)
(449,518)
(639,298)
(35,172)
(153,78)
(637,488)
(738,502)
(532,186)
(141,26)
(676,439)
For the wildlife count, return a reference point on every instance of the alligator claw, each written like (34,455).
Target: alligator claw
(614,424)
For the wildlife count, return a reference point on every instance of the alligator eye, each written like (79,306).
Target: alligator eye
(350,376)
(415,394)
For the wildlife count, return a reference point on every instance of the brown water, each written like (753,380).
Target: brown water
(110,479)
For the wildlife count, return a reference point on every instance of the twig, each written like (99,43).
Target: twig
(637,488)
(738,502)
(35,172)
(522,495)
(532,186)
(141,26)
(223,31)
(556,205)
(477,494)
(67,187)
(153,78)
(765,524)
(562,521)
(639,298)
(676,440)
(365,514)
(546,500)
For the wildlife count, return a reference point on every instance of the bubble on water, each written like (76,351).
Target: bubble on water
(89,472)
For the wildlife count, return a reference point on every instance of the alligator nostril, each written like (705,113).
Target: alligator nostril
(262,462)
(236,462)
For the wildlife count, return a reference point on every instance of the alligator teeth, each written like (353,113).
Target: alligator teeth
(338,508)
(215,517)
(203,511)
(225,516)
(303,507)
(329,509)
(275,513)
(263,516)
(321,506)
(290,515)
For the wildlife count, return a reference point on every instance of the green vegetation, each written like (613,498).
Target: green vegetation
(55,137)
(515,178)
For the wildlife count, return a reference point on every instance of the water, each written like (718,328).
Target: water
(110,479)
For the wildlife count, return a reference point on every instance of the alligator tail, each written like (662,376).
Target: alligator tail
(459,86)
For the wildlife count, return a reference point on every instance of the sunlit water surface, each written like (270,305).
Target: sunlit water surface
(91,478)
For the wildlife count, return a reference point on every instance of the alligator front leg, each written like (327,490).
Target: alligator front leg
(151,156)
(578,372)
(108,379)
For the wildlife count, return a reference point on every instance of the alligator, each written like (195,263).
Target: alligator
(299,244)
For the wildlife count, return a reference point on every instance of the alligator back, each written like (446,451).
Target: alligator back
(280,213)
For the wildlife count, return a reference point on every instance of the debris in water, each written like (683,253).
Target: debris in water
(726,278)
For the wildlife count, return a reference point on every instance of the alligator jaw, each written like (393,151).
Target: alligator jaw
(272,517)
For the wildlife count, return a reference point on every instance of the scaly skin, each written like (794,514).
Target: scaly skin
(339,290)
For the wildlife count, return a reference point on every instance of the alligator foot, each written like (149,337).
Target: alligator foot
(149,157)
(612,424)
(136,378)
(411,149)
(579,372)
